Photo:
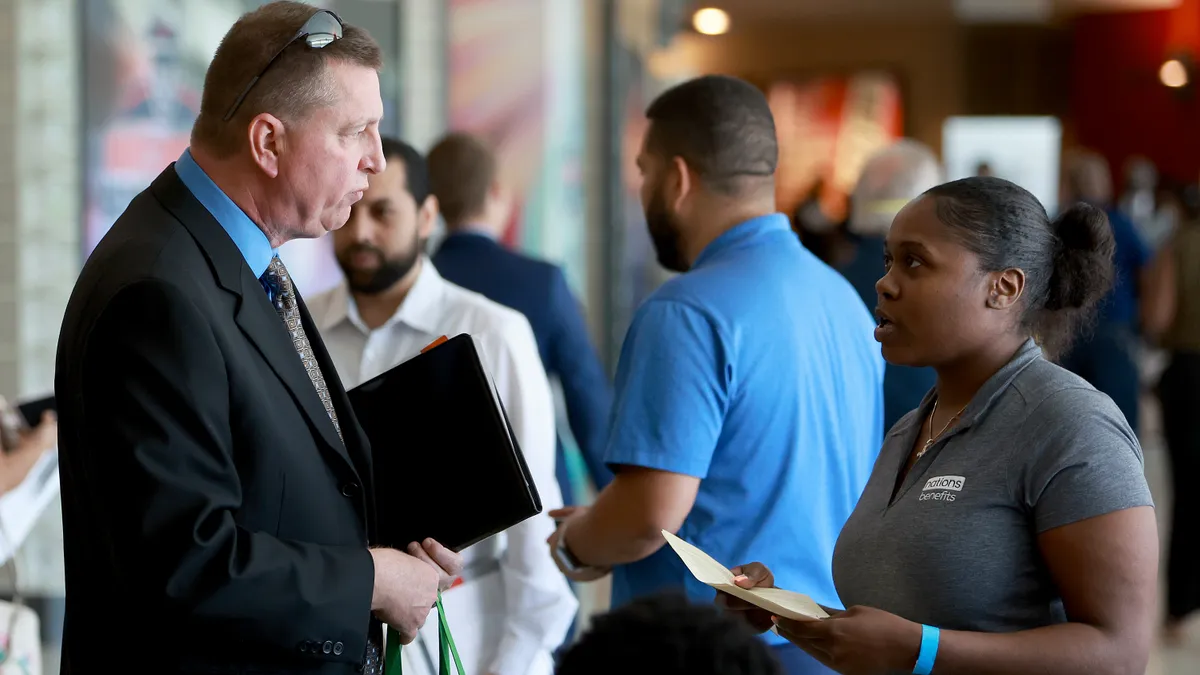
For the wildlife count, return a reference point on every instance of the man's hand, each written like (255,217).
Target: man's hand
(566,513)
(754,575)
(406,589)
(447,563)
(582,575)
(15,463)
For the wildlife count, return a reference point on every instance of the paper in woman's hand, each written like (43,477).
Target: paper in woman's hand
(787,604)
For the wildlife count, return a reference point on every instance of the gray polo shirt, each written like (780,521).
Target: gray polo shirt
(1036,449)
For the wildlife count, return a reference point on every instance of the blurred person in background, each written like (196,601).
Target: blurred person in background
(1138,201)
(1147,203)
(1106,355)
(890,179)
(475,204)
(29,483)
(514,605)
(21,445)
(1169,213)
(1171,317)
(29,479)
(749,401)
(667,634)
(820,234)
(1007,527)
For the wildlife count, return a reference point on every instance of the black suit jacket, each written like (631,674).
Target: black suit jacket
(206,494)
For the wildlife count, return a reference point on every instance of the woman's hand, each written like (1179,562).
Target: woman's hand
(858,641)
(754,575)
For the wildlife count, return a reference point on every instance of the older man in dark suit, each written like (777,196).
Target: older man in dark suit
(215,481)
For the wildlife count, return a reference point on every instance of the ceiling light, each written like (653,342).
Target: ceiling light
(710,21)
(1173,74)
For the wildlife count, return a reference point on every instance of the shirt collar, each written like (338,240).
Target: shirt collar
(985,398)
(476,229)
(246,235)
(741,233)
(473,231)
(420,309)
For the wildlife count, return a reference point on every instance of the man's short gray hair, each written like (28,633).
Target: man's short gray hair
(890,179)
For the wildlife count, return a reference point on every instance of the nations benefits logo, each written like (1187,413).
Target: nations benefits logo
(942,488)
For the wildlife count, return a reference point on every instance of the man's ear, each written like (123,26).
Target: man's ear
(680,174)
(1006,289)
(266,134)
(427,214)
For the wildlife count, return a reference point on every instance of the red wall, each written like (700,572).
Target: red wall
(1119,107)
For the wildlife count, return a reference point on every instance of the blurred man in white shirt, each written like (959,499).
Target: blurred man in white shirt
(513,607)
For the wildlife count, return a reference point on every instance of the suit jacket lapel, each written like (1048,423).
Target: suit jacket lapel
(261,324)
(255,315)
(355,438)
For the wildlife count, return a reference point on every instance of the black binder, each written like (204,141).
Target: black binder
(446,462)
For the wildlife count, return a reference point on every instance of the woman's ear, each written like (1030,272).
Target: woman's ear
(1006,289)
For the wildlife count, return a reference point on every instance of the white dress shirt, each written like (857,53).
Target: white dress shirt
(537,605)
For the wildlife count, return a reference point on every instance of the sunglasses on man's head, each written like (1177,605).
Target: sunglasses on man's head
(318,32)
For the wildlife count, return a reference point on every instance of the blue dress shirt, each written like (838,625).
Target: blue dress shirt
(250,240)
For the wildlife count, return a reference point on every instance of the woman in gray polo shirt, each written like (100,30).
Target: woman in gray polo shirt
(1007,527)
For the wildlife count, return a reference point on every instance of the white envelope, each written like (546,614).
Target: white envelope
(787,604)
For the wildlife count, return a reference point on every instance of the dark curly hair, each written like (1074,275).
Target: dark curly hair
(1068,261)
(668,635)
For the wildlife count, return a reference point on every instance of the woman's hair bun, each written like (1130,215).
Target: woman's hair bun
(1083,262)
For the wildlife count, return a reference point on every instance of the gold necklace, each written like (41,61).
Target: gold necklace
(929,443)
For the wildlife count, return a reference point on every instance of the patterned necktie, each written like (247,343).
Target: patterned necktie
(282,294)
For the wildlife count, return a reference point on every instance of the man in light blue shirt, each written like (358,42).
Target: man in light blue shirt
(749,405)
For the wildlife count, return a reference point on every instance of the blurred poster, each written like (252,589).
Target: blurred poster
(498,81)
(1024,150)
(515,78)
(144,73)
(555,223)
(642,27)
(828,127)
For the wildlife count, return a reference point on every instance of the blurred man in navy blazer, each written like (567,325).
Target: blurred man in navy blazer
(475,206)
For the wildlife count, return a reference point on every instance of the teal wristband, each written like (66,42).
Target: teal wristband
(929,649)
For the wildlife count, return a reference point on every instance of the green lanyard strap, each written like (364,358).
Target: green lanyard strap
(446,648)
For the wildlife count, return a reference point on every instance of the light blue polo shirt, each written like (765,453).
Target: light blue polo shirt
(757,372)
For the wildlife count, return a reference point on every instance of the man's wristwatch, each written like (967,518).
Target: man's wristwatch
(566,558)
